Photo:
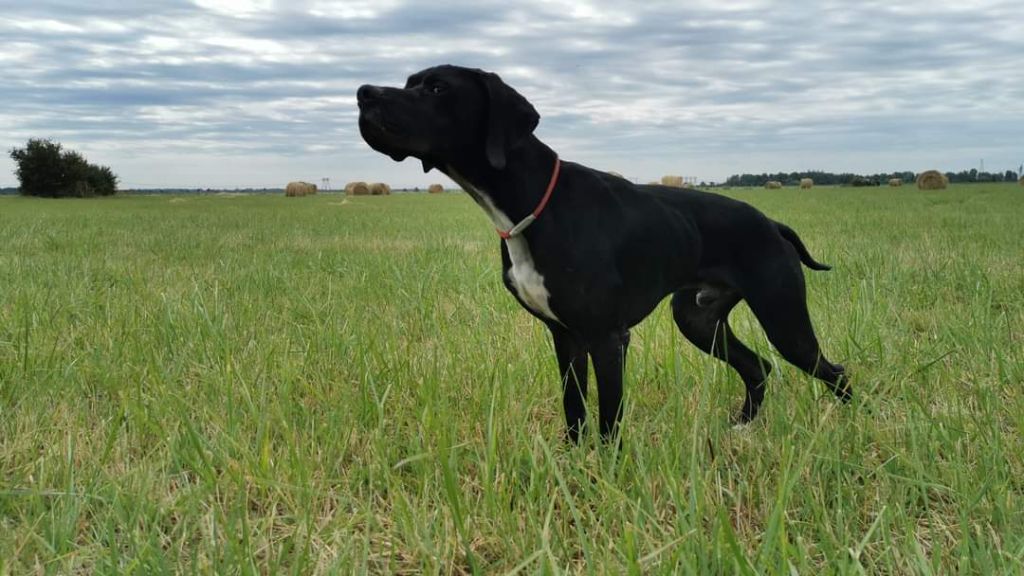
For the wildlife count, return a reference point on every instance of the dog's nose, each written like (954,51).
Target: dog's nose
(367,93)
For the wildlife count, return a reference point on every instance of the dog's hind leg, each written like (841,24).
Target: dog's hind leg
(572,367)
(705,324)
(780,304)
(608,353)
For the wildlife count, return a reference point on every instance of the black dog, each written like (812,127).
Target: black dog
(591,254)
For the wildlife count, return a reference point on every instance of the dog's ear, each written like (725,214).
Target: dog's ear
(510,118)
(427,166)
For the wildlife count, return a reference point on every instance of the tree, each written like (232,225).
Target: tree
(44,168)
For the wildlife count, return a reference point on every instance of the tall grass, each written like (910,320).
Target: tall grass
(315,385)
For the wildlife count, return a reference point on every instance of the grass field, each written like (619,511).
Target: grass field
(225,384)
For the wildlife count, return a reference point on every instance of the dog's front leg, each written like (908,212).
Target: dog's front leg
(609,355)
(572,367)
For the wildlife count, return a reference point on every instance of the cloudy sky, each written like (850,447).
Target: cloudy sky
(251,93)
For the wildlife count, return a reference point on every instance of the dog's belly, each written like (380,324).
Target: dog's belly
(526,279)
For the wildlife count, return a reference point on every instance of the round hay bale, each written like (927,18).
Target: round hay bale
(1021,181)
(357,189)
(773,184)
(299,189)
(379,189)
(931,180)
(435,189)
(806,183)
(674,181)
(895,182)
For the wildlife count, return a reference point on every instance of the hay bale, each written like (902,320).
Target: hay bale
(674,181)
(895,182)
(300,189)
(435,189)
(357,189)
(1021,181)
(806,183)
(931,180)
(379,189)
(773,184)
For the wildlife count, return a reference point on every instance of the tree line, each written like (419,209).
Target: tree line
(850,179)
(45,168)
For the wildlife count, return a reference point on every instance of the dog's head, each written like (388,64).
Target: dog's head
(446,115)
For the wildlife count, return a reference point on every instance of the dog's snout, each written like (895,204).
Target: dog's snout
(368,93)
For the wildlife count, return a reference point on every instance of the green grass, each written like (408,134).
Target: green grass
(223,384)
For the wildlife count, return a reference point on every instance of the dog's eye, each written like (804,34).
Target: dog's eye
(437,88)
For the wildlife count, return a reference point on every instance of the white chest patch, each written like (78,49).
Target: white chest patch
(523,274)
(525,278)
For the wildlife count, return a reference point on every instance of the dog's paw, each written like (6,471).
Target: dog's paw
(741,418)
(842,388)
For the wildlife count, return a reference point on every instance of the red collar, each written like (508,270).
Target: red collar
(518,228)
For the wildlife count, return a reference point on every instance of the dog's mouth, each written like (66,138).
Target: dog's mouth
(375,118)
(382,133)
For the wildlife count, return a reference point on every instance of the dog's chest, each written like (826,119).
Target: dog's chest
(526,280)
(523,275)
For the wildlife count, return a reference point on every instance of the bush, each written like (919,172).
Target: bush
(861,181)
(46,169)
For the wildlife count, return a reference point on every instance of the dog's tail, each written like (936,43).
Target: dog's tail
(805,256)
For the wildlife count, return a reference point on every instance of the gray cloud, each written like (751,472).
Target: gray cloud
(248,93)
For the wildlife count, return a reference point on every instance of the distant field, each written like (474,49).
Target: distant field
(260,384)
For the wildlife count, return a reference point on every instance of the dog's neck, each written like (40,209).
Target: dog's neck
(510,194)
